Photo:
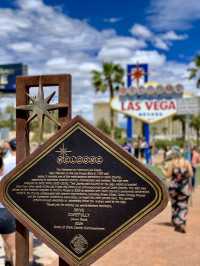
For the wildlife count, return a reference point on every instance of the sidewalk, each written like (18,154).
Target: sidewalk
(155,244)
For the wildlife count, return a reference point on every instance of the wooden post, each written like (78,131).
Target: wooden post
(22,245)
(22,137)
(62,262)
(23,150)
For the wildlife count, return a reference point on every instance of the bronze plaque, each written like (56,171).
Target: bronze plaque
(82,194)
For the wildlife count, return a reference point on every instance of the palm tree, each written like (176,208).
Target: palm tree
(182,120)
(164,130)
(103,126)
(110,78)
(154,130)
(10,110)
(195,123)
(195,71)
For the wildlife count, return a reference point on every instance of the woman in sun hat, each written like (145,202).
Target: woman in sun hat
(180,172)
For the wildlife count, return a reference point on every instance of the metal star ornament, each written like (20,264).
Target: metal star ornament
(63,151)
(40,108)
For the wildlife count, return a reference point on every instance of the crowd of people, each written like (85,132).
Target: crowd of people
(179,166)
(7,221)
(140,149)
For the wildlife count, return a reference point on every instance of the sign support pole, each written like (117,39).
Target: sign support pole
(130,121)
(22,137)
(147,140)
(129,128)
(62,262)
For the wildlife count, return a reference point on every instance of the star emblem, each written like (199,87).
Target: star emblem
(137,74)
(40,108)
(63,151)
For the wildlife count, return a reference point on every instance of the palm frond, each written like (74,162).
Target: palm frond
(197,61)
(96,80)
(195,123)
(198,83)
(107,69)
(193,73)
(180,118)
(110,78)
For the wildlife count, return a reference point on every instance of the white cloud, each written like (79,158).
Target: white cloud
(127,42)
(111,54)
(5,57)
(173,36)
(173,72)
(87,67)
(46,34)
(153,58)
(119,48)
(161,41)
(112,20)
(51,42)
(30,4)
(22,47)
(173,14)
(57,61)
(141,31)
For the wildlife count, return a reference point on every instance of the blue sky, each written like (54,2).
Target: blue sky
(122,15)
(56,36)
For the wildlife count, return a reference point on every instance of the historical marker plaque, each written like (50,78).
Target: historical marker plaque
(82,194)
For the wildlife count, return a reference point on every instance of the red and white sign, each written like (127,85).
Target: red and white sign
(150,111)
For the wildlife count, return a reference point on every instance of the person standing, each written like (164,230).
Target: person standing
(136,149)
(195,163)
(10,158)
(187,153)
(7,228)
(180,172)
(127,146)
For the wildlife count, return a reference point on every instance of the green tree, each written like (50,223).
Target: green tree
(103,126)
(154,131)
(7,118)
(10,110)
(182,120)
(109,78)
(118,133)
(164,131)
(195,124)
(195,71)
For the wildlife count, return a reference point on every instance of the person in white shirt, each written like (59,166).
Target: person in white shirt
(10,158)
(7,228)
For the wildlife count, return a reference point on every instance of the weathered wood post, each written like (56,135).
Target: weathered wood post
(23,85)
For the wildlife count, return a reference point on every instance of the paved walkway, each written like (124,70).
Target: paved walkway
(155,244)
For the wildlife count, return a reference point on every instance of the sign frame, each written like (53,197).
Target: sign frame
(116,149)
